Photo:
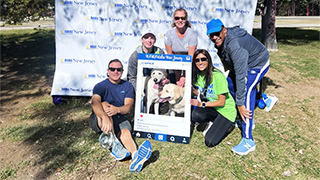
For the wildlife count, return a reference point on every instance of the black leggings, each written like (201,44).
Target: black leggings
(220,128)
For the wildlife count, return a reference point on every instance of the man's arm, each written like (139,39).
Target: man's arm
(239,58)
(105,124)
(113,110)
(132,69)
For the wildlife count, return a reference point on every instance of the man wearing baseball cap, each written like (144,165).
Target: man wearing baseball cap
(148,40)
(248,61)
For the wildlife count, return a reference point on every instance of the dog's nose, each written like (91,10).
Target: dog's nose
(155,80)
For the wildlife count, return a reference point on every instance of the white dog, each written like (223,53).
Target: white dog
(175,96)
(154,84)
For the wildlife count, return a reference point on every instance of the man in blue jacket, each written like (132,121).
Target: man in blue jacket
(248,61)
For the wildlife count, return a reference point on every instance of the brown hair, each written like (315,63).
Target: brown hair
(207,72)
(188,24)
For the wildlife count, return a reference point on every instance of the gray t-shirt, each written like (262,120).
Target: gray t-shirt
(181,45)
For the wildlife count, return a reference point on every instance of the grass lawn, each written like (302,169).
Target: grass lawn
(39,140)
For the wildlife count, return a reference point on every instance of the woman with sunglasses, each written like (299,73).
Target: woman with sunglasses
(217,107)
(181,39)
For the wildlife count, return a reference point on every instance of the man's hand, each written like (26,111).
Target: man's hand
(106,125)
(244,113)
(112,110)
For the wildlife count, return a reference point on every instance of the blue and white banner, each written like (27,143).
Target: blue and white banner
(91,33)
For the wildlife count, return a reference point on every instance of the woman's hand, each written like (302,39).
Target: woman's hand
(244,113)
(194,102)
(194,91)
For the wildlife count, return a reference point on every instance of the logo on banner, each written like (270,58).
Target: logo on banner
(147,21)
(74,89)
(78,3)
(77,61)
(66,2)
(198,22)
(124,5)
(77,32)
(230,10)
(102,47)
(92,18)
(94,76)
(177,7)
(66,32)
(124,34)
(154,21)
(111,20)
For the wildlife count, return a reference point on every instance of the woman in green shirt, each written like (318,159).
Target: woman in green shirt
(217,107)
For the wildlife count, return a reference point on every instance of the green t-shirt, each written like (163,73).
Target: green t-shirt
(219,85)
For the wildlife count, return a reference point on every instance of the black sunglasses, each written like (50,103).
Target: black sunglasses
(113,69)
(211,35)
(197,60)
(177,18)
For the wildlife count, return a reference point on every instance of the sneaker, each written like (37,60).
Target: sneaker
(118,151)
(138,158)
(261,104)
(270,101)
(208,126)
(244,147)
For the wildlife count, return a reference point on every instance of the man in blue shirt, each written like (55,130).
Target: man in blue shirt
(111,100)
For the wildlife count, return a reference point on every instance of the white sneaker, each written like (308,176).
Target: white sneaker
(209,124)
(270,101)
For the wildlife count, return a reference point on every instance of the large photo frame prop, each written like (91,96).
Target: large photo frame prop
(162,109)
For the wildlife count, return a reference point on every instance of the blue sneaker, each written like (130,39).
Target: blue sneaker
(244,147)
(270,101)
(138,158)
(118,151)
(261,104)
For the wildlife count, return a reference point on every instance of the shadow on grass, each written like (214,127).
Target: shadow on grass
(58,139)
(292,36)
(27,56)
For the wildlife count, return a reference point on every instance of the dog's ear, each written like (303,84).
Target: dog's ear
(165,73)
(177,93)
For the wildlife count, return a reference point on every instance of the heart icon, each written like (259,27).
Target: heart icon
(141,115)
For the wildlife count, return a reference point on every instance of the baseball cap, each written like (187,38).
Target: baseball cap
(149,31)
(215,25)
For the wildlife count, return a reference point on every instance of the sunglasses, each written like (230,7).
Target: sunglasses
(113,69)
(197,60)
(182,18)
(214,34)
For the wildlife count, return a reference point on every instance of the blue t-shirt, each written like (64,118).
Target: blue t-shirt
(114,94)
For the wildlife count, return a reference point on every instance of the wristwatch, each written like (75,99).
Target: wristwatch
(203,104)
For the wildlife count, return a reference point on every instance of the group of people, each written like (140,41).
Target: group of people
(220,99)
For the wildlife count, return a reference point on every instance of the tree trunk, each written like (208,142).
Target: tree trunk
(268,25)
(293,8)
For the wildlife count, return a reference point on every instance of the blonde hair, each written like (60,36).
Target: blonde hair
(188,24)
